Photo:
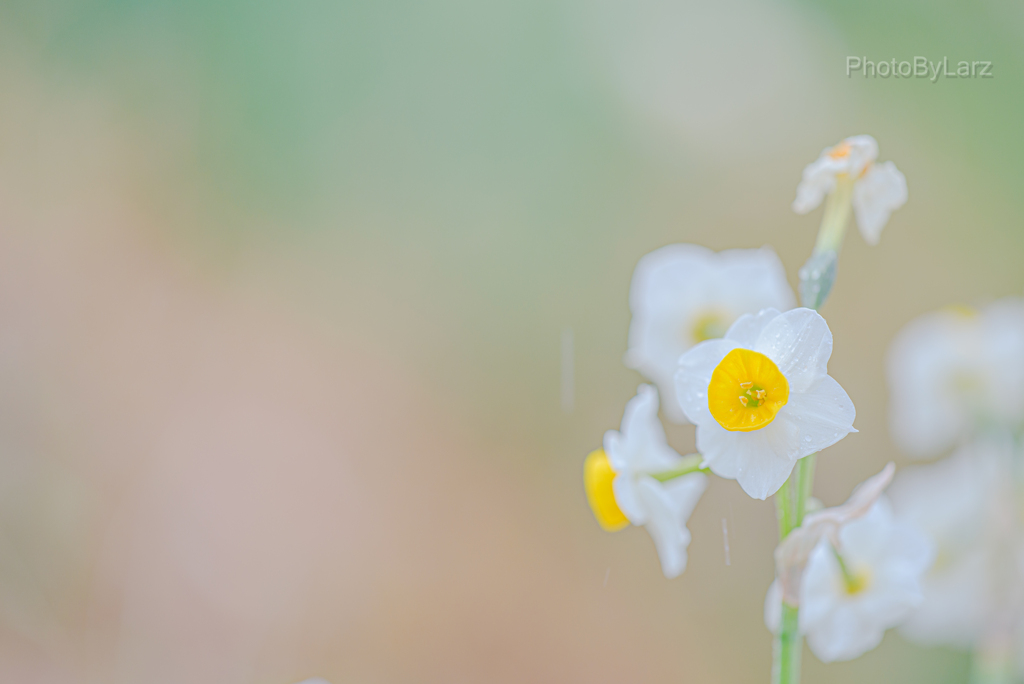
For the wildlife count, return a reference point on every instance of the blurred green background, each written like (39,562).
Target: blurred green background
(282,293)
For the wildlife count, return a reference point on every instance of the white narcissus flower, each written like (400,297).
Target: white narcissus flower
(762,399)
(954,371)
(862,576)
(685,294)
(878,188)
(793,552)
(953,503)
(851,595)
(622,488)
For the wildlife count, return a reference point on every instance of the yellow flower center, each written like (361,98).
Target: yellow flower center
(597,480)
(857,582)
(709,326)
(747,389)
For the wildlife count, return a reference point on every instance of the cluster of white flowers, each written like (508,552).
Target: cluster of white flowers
(719,336)
(957,384)
(681,296)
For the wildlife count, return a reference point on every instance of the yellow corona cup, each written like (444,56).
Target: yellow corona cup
(746,391)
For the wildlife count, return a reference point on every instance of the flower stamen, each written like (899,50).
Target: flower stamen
(840,151)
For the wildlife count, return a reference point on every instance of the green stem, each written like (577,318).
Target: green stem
(805,482)
(791,501)
(784,509)
(689,464)
(992,665)
(786,665)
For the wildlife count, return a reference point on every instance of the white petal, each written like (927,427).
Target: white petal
(816,418)
(664,274)
(818,179)
(818,592)
(628,499)
(800,344)
(882,190)
(685,492)
(640,445)
(773,608)
(694,375)
(753,279)
(667,511)
(865,537)
(843,635)
(745,331)
(891,598)
(907,551)
(757,460)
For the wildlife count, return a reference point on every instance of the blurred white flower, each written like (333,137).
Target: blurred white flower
(793,553)
(954,371)
(954,502)
(877,189)
(850,595)
(622,484)
(685,294)
(761,397)
(857,584)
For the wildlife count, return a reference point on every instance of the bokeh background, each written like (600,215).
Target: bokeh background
(283,288)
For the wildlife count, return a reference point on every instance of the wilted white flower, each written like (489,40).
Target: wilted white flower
(954,371)
(860,579)
(877,189)
(761,397)
(954,502)
(622,484)
(685,294)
